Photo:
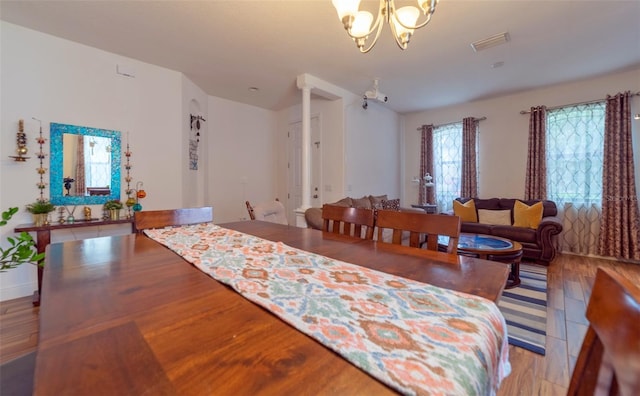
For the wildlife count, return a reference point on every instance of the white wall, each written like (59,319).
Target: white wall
(56,80)
(242,162)
(504,134)
(373,165)
(194,182)
(360,148)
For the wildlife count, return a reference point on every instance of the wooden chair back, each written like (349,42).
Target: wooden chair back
(354,222)
(172,217)
(418,224)
(609,360)
(271,211)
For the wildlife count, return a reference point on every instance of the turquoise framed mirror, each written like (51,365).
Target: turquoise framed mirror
(85,165)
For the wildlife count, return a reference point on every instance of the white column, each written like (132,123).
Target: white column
(306,147)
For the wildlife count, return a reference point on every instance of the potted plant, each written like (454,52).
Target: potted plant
(22,250)
(40,210)
(113,207)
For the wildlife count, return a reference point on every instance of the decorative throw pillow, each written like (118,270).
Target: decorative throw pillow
(466,211)
(497,217)
(527,216)
(364,203)
(391,204)
(376,201)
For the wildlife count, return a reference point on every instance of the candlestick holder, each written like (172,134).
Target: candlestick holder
(21,141)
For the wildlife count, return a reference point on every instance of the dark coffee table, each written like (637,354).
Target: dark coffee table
(492,248)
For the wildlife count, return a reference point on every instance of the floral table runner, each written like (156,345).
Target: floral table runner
(412,336)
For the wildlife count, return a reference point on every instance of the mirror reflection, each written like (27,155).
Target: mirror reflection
(85,165)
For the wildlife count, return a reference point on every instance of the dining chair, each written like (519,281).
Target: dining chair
(609,360)
(171,217)
(271,211)
(355,222)
(417,224)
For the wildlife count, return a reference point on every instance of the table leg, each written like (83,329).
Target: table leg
(514,276)
(43,239)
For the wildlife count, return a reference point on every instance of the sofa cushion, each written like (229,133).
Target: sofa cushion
(498,217)
(527,216)
(363,203)
(491,203)
(376,201)
(466,211)
(391,204)
(347,202)
(475,228)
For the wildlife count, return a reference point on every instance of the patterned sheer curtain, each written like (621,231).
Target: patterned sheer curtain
(426,162)
(575,137)
(620,228)
(469,174)
(536,178)
(447,164)
(80,171)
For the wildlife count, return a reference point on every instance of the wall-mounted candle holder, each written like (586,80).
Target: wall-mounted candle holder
(41,170)
(127,166)
(21,141)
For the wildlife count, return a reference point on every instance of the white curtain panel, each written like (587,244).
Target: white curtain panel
(580,228)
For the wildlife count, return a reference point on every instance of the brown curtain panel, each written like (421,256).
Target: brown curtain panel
(535,186)
(426,163)
(469,184)
(620,226)
(80,169)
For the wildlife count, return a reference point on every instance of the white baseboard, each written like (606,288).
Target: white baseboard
(17,291)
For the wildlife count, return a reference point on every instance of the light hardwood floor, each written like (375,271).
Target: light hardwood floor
(570,279)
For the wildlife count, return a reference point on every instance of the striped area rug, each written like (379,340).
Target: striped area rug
(525,309)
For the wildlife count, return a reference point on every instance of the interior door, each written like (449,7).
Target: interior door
(295,166)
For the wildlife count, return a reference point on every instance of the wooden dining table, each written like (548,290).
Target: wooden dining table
(124,315)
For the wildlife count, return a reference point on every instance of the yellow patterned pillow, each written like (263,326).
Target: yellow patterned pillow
(466,211)
(527,216)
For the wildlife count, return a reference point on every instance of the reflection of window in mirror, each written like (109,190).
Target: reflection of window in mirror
(97,161)
(87,161)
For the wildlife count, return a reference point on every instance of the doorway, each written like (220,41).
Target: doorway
(295,166)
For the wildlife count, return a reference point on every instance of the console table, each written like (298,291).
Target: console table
(43,238)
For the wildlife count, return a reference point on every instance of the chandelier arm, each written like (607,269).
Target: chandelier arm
(373,42)
(394,33)
(423,24)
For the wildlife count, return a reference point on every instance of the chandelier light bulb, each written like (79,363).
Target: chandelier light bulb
(404,17)
(346,7)
(361,24)
(403,21)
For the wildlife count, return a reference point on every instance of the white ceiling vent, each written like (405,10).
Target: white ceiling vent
(489,42)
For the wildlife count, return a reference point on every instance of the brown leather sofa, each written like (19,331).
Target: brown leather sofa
(538,244)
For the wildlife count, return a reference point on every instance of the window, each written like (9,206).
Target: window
(97,154)
(575,141)
(447,164)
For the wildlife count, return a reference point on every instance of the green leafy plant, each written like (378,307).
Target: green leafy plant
(39,207)
(23,247)
(113,205)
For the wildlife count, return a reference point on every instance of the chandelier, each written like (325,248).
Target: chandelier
(403,21)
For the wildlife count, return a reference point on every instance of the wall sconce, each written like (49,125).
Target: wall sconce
(636,117)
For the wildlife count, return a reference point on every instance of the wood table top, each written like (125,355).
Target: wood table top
(125,315)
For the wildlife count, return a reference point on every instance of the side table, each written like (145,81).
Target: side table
(43,238)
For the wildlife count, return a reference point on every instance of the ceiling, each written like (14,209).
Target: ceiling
(225,47)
